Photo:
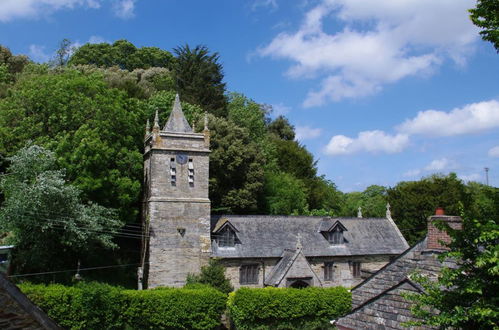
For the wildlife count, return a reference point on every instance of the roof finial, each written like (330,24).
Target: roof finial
(194,125)
(388,212)
(359,212)
(205,121)
(156,121)
(298,241)
(148,127)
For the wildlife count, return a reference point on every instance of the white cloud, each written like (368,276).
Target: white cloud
(369,141)
(12,9)
(472,118)
(280,109)
(38,54)
(272,4)
(412,173)
(494,152)
(96,40)
(380,42)
(439,165)
(307,132)
(470,177)
(124,8)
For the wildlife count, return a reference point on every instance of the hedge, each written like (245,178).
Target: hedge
(276,308)
(100,306)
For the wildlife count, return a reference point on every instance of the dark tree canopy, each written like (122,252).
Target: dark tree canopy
(486,16)
(282,128)
(199,78)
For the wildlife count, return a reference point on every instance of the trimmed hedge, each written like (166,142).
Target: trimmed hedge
(276,308)
(100,306)
(168,308)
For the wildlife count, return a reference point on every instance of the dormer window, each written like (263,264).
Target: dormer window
(333,233)
(226,237)
(335,237)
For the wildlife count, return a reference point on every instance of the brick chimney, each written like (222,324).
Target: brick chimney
(435,235)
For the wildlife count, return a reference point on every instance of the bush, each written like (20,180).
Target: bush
(83,306)
(101,306)
(168,308)
(212,275)
(276,308)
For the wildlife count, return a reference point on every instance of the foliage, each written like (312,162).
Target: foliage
(486,16)
(372,201)
(122,54)
(163,102)
(62,54)
(282,128)
(199,78)
(287,308)
(236,168)
(99,306)
(248,114)
(83,306)
(45,216)
(213,275)
(414,201)
(466,296)
(168,308)
(285,194)
(95,131)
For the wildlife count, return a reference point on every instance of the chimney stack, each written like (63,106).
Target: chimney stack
(435,236)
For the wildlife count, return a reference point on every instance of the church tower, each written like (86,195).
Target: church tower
(176,210)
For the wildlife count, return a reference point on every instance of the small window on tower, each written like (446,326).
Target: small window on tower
(191,172)
(173,172)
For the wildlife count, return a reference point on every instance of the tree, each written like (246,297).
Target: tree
(45,217)
(122,54)
(95,131)
(465,297)
(285,194)
(199,78)
(414,201)
(282,128)
(246,113)
(372,201)
(63,53)
(486,16)
(213,275)
(236,168)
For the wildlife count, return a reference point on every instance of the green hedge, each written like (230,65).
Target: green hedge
(101,306)
(275,308)
(169,308)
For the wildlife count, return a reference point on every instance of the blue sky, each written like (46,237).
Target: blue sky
(379,91)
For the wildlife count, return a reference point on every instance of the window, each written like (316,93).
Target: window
(328,271)
(226,238)
(248,274)
(335,237)
(191,172)
(173,172)
(3,258)
(355,269)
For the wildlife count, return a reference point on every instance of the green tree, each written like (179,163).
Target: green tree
(236,168)
(486,16)
(248,114)
(414,201)
(45,217)
(213,275)
(122,54)
(372,201)
(285,194)
(282,128)
(199,78)
(464,297)
(96,133)
(62,54)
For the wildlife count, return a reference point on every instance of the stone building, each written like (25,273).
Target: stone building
(181,235)
(378,301)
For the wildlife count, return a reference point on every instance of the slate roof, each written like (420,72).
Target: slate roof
(177,122)
(268,236)
(18,312)
(280,269)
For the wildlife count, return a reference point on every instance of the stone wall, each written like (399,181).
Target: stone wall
(342,269)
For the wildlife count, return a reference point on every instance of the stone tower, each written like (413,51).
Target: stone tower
(176,205)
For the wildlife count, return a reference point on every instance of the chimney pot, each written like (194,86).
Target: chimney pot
(439,211)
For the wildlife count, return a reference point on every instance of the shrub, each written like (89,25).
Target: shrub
(213,275)
(169,308)
(276,308)
(83,306)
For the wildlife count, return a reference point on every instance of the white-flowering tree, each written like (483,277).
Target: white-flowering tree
(44,217)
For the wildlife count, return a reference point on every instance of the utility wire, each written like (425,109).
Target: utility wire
(73,270)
